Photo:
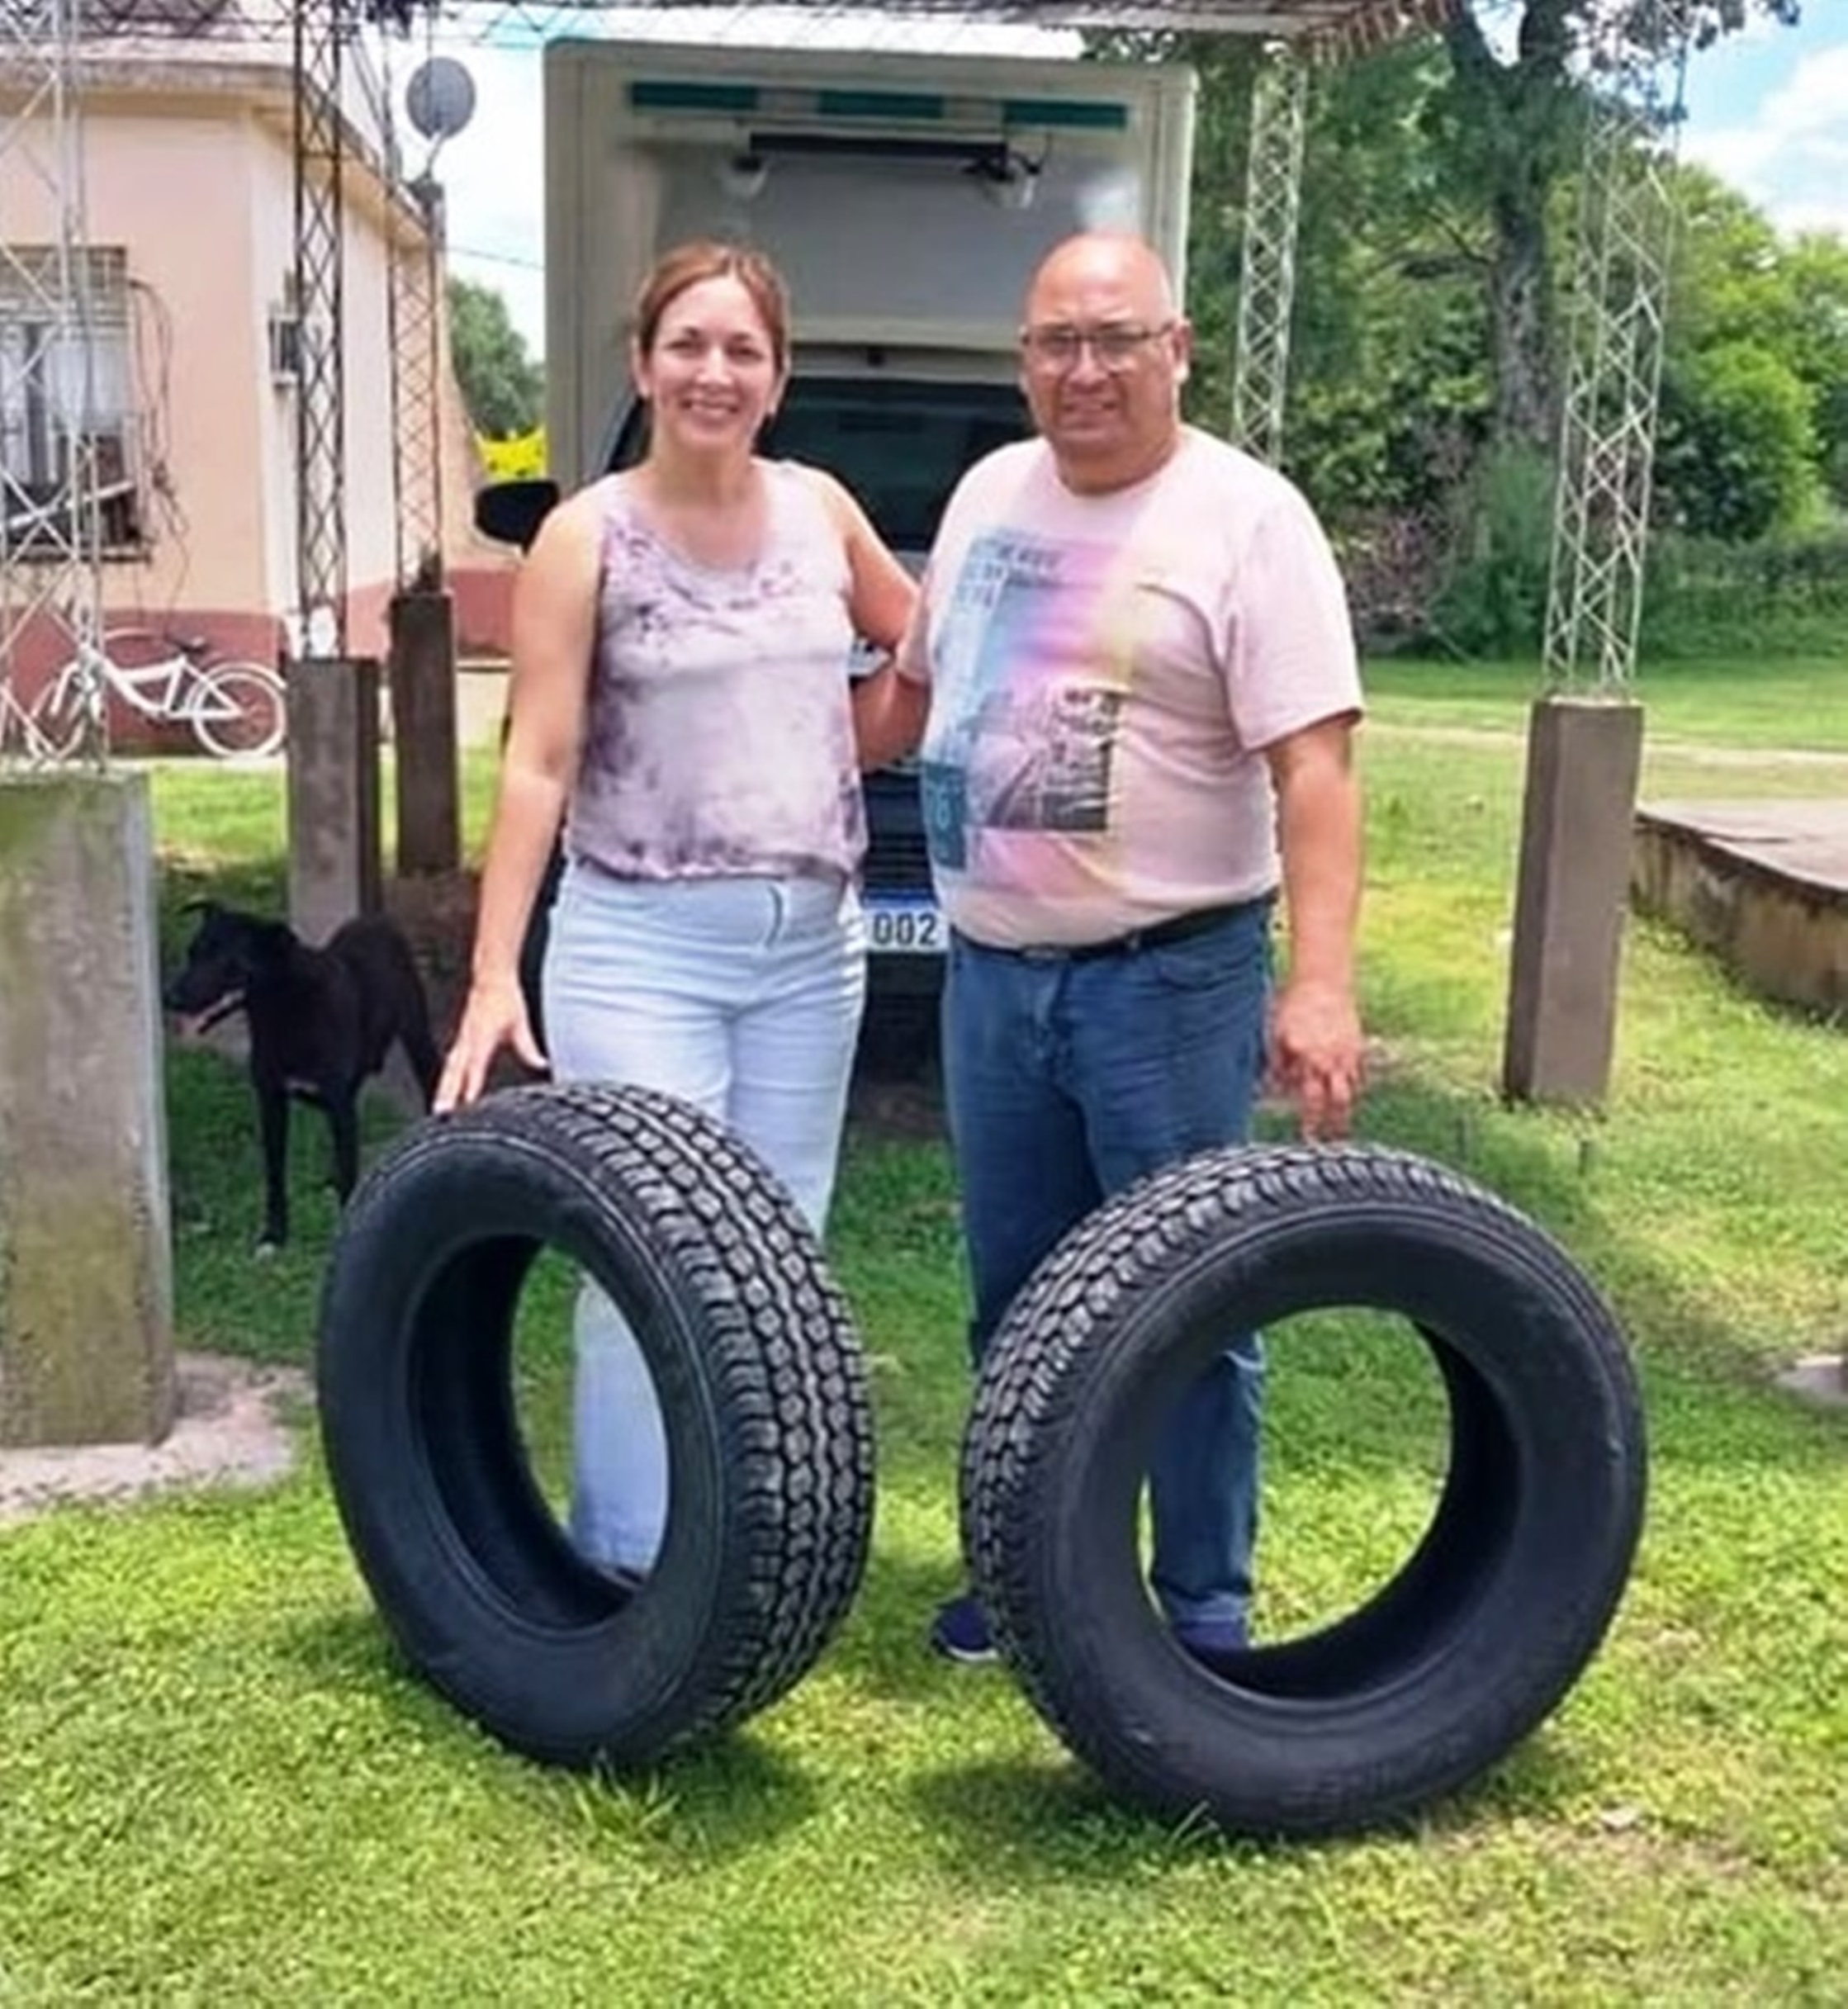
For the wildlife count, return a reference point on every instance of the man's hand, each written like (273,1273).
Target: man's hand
(1316,1056)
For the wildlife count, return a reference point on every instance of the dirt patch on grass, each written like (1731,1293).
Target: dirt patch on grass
(233,1429)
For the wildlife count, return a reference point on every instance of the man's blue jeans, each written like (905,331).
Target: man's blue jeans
(1068,1080)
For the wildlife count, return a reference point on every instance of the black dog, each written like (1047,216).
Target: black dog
(322,1022)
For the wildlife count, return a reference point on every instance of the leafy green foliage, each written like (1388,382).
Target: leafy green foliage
(1389,394)
(501,385)
(1440,189)
(1494,603)
(1784,594)
(1507,125)
(1737,286)
(1737,450)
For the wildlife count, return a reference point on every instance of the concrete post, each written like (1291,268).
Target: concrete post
(424,732)
(333,793)
(86,1275)
(1584,757)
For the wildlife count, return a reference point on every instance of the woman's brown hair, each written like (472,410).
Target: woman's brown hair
(692,264)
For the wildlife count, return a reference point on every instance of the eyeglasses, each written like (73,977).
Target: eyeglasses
(1116,346)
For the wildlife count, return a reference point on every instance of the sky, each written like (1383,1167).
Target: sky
(1767,109)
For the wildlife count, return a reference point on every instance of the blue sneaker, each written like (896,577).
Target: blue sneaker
(959,1632)
(1217,1644)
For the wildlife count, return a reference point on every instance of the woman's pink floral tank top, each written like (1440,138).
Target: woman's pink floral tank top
(719,739)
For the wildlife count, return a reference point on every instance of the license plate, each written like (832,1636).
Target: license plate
(904,927)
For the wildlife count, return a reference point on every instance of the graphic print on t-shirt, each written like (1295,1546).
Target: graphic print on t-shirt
(1029,694)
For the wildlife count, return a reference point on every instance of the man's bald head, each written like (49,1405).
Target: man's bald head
(1124,265)
(1105,353)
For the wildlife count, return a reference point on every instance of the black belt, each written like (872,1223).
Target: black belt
(1181,927)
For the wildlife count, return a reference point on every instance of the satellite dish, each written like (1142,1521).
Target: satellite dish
(440,98)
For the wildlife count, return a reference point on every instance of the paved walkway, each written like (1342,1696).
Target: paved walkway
(1802,841)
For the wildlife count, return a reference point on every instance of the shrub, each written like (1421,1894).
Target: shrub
(1494,601)
(1786,594)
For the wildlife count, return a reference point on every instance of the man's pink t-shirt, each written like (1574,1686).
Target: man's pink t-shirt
(1105,671)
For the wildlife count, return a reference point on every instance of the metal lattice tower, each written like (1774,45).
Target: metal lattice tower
(321,30)
(414,309)
(1625,238)
(1268,261)
(50,522)
(416,392)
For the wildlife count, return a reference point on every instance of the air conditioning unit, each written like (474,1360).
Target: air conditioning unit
(284,348)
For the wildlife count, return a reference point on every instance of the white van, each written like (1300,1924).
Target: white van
(906,199)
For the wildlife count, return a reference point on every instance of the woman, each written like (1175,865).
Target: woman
(680,695)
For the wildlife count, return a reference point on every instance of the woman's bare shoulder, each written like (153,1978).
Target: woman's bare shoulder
(576,524)
(592,503)
(835,497)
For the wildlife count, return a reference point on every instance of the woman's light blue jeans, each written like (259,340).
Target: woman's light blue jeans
(743,996)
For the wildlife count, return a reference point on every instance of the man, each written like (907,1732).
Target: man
(1142,688)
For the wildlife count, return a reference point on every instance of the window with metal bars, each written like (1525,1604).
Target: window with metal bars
(67,399)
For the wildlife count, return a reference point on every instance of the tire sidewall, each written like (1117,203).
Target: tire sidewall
(1072,1609)
(633,1668)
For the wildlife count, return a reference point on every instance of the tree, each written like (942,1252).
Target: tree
(1736,458)
(1389,386)
(1817,267)
(1510,124)
(1754,387)
(501,385)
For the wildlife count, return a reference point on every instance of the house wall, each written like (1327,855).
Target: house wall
(371,509)
(269,178)
(269,191)
(167,188)
(195,179)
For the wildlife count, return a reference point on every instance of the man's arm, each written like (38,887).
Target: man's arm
(889,710)
(1315,1035)
(893,706)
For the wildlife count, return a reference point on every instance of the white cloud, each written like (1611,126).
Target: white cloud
(1812,101)
(1790,159)
(1736,154)
(1795,217)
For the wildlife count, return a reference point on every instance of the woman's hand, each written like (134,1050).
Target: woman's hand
(494,1017)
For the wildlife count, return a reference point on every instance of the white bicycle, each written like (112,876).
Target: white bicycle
(235,709)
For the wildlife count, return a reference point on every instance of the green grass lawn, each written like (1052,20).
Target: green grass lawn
(217,1783)
(1802,704)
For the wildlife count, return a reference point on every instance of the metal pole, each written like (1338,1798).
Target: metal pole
(50,514)
(321,622)
(1268,263)
(1606,448)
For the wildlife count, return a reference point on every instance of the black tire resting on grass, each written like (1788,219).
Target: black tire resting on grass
(1486,1625)
(762,1388)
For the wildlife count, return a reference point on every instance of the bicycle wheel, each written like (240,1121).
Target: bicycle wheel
(237,713)
(56,720)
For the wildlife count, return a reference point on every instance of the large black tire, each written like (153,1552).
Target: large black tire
(1490,1620)
(761,1384)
